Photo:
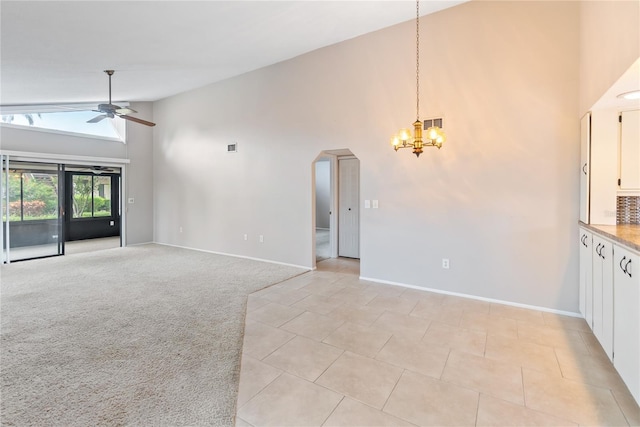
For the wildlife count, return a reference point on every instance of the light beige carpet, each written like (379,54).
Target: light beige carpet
(147,335)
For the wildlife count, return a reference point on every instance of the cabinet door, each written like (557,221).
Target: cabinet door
(586,290)
(585,165)
(603,293)
(627,318)
(630,150)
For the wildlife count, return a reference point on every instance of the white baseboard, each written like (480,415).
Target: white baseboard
(475,297)
(235,256)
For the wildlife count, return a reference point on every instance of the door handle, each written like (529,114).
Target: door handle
(349,208)
(583,169)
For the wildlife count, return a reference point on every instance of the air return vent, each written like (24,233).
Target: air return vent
(433,122)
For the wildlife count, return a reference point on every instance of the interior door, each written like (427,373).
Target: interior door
(349,208)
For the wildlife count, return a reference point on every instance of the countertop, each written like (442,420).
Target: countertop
(626,234)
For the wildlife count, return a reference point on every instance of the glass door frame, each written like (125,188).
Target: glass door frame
(49,168)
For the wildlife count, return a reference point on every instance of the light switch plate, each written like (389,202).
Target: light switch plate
(367,204)
(375,204)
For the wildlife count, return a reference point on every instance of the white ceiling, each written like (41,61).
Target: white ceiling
(56,51)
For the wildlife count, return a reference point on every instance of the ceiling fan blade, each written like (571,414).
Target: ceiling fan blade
(137,120)
(125,111)
(96,119)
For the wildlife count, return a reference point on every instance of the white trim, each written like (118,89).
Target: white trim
(51,108)
(62,132)
(64,158)
(475,297)
(236,256)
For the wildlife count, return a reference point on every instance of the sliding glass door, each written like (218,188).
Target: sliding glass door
(31,215)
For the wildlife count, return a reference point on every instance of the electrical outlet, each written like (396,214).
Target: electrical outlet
(445,263)
(131,200)
(261,238)
(246,237)
(181,229)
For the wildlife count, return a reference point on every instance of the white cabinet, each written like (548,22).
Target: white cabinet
(629,150)
(585,165)
(627,318)
(586,290)
(602,259)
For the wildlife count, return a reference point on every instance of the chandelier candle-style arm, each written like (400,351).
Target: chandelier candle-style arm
(435,135)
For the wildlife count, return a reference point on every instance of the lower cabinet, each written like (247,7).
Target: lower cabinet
(602,260)
(626,327)
(610,302)
(586,273)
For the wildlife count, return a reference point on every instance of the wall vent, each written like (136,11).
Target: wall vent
(433,122)
(232,148)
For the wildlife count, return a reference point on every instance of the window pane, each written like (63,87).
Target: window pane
(15,207)
(74,122)
(102,196)
(39,196)
(82,192)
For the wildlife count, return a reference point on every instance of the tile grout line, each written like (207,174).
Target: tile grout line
(333,410)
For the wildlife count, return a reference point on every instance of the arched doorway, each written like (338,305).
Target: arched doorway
(336,207)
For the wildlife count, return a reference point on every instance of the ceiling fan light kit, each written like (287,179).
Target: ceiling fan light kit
(111,111)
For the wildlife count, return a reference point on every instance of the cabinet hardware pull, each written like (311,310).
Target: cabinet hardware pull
(621,261)
(583,169)
(627,268)
(598,248)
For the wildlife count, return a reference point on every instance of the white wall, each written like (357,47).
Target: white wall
(609,44)
(323,193)
(139,185)
(139,172)
(604,57)
(500,200)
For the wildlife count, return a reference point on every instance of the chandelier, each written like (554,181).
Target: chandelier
(434,135)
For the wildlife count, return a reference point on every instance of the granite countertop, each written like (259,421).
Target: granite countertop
(625,234)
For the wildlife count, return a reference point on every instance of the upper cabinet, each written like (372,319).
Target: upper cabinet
(585,151)
(629,151)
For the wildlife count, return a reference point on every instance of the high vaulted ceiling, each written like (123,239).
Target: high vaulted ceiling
(56,51)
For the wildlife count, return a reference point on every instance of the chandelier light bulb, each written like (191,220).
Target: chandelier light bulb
(404,135)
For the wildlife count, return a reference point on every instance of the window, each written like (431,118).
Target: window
(32,196)
(91,196)
(66,119)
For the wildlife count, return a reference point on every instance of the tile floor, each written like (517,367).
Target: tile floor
(326,348)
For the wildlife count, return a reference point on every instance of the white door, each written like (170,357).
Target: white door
(585,164)
(348,208)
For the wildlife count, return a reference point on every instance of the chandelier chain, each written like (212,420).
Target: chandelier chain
(417,60)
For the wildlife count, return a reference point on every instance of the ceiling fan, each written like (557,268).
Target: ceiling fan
(110,110)
(97,170)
